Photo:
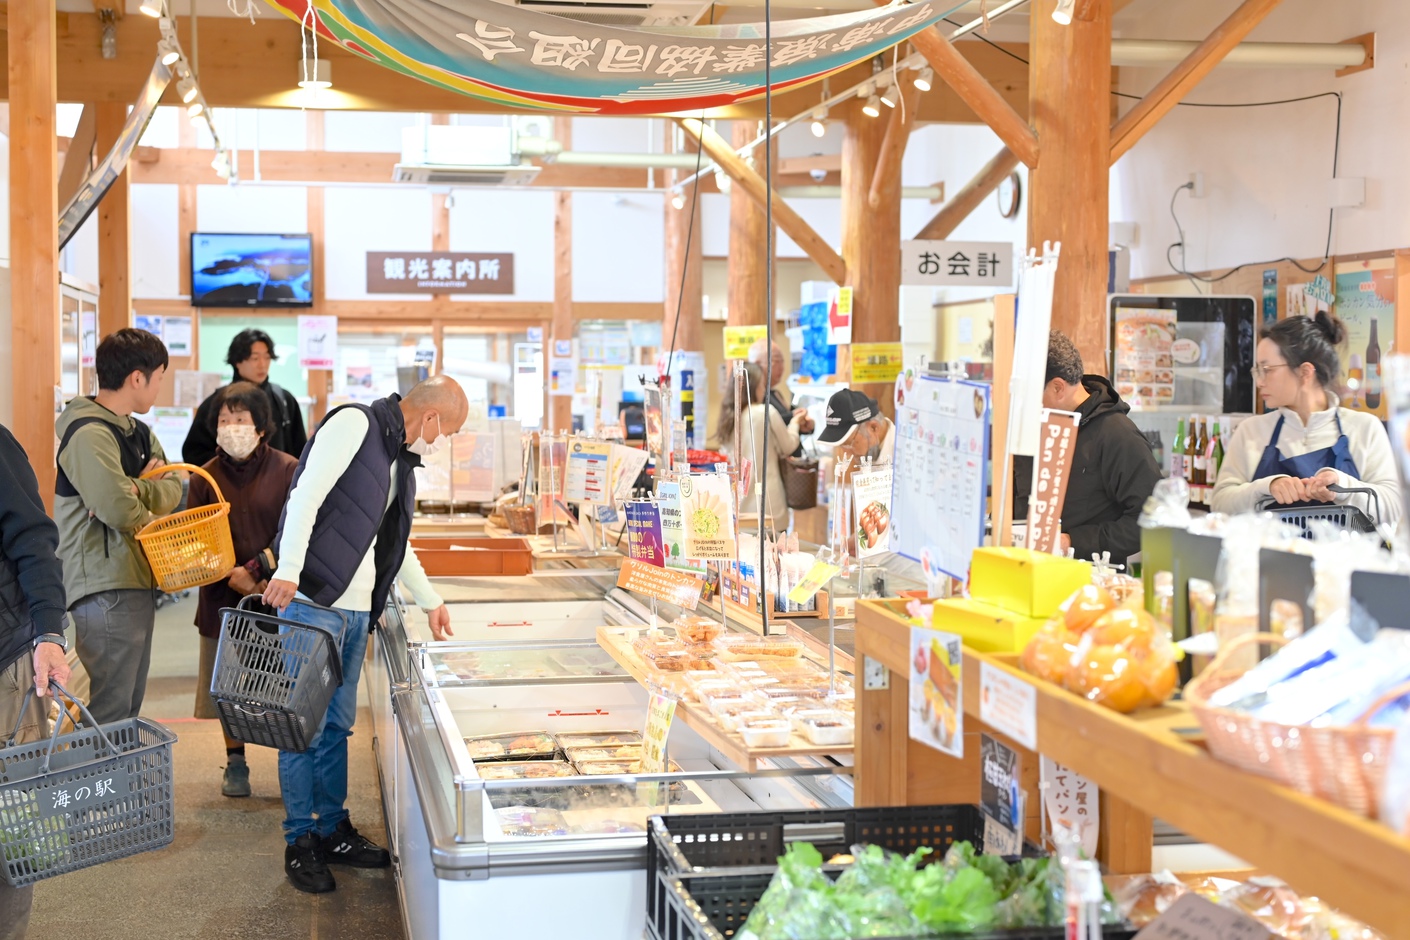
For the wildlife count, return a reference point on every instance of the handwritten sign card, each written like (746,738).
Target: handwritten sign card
(1192,917)
(1057,441)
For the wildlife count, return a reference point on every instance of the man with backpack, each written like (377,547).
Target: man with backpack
(32,639)
(100,504)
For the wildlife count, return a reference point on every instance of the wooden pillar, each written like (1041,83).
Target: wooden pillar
(114,230)
(320,381)
(34,234)
(558,415)
(749,300)
(684,265)
(1070,91)
(871,240)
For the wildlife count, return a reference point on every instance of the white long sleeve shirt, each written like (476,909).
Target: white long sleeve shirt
(334,447)
(1237,491)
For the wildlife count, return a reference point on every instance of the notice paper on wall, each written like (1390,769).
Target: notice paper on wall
(318,342)
(937,691)
(176,333)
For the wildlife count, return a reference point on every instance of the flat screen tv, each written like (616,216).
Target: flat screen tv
(230,270)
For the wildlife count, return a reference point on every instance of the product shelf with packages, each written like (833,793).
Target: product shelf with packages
(1153,763)
(273,677)
(81,798)
(193,547)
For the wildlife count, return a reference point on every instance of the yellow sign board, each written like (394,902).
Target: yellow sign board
(658,727)
(876,362)
(738,339)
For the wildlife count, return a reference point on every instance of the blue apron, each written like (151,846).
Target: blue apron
(1338,457)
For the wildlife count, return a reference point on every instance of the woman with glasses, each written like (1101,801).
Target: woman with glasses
(1304,441)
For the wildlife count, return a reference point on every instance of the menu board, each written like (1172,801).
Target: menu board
(941,471)
(1142,355)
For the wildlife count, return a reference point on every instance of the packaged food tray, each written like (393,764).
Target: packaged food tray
(567,739)
(516,745)
(524,770)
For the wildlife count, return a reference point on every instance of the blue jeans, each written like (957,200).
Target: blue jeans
(315,783)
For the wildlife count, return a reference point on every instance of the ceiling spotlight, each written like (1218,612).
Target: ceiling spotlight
(315,74)
(182,72)
(221,165)
(873,107)
(152,8)
(169,52)
(925,78)
(1062,13)
(888,96)
(722,181)
(678,201)
(820,122)
(187,89)
(195,109)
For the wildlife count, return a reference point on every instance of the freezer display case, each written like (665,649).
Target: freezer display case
(508,759)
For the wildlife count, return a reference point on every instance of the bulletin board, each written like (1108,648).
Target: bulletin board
(941,475)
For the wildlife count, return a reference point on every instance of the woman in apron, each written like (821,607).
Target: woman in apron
(1305,441)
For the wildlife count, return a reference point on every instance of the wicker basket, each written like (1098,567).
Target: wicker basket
(1344,765)
(189,548)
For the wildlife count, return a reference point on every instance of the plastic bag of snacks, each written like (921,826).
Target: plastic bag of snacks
(1116,655)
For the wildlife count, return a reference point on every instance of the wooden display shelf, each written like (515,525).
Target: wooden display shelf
(615,640)
(753,621)
(1151,764)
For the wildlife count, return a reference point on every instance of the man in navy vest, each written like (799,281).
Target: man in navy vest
(342,543)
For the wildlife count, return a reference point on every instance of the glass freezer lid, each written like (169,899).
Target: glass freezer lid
(483,664)
(542,586)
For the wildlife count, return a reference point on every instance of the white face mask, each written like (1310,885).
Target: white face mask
(237,440)
(424,448)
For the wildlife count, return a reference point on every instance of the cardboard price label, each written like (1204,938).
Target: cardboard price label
(659,715)
(664,584)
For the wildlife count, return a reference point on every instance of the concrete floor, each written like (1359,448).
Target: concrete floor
(224,875)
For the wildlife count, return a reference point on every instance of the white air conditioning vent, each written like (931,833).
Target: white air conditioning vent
(448,175)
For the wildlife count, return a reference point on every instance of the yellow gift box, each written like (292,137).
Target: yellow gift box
(1025,582)
(984,627)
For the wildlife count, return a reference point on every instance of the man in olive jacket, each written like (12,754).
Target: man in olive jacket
(100,505)
(31,626)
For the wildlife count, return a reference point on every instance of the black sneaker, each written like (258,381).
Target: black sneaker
(346,846)
(306,867)
(236,781)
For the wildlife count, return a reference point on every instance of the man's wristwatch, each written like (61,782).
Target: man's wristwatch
(58,639)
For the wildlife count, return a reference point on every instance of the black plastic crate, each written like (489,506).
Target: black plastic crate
(715,906)
(751,843)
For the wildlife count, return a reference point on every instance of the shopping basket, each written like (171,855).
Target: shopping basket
(1341,515)
(273,677)
(189,548)
(93,795)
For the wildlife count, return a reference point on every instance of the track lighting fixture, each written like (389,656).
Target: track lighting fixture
(315,74)
(873,107)
(678,202)
(888,96)
(169,53)
(820,122)
(152,8)
(1062,13)
(196,109)
(925,78)
(187,89)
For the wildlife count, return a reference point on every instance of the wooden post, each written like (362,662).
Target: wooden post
(749,301)
(964,202)
(685,259)
(34,234)
(999,404)
(1067,202)
(893,146)
(558,414)
(871,240)
(114,230)
(320,381)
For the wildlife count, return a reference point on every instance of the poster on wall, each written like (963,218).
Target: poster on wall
(318,342)
(88,341)
(1141,354)
(1366,305)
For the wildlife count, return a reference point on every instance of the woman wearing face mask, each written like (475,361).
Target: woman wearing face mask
(255,479)
(1305,441)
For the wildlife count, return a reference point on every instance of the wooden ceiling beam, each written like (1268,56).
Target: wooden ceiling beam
(78,156)
(1172,89)
(246,65)
(964,202)
(784,216)
(893,146)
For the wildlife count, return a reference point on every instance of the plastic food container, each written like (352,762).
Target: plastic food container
(733,722)
(525,770)
(608,768)
(766,732)
(597,738)
(698,629)
(739,647)
(515,745)
(663,653)
(531,821)
(829,728)
(580,755)
(731,699)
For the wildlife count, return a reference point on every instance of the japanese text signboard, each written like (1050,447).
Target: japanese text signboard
(957,264)
(1071,803)
(1056,443)
(439,272)
(876,362)
(659,715)
(664,584)
(644,533)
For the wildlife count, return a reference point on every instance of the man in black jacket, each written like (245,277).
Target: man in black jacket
(1113,469)
(32,642)
(251,354)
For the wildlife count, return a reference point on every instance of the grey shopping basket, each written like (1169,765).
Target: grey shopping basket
(273,677)
(1342,515)
(93,795)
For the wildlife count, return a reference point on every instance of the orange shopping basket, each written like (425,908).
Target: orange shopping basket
(189,548)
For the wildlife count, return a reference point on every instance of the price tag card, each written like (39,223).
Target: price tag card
(812,582)
(1008,704)
(664,584)
(1192,917)
(659,715)
(1000,839)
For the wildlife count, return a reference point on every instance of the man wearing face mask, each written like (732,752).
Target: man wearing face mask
(342,544)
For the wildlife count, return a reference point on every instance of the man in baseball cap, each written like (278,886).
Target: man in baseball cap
(855,425)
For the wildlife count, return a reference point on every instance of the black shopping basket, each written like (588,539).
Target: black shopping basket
(1342,515)
(273,677)
(93,795)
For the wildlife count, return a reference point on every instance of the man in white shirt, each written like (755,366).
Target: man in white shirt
(342,544)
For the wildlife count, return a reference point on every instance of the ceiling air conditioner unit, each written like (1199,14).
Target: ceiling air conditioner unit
(453,155)
(619,12)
